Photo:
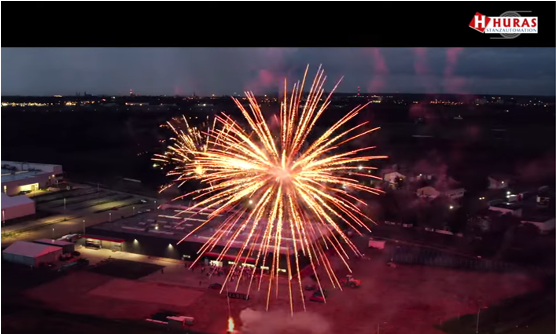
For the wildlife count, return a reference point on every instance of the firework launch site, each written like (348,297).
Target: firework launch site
(129,288)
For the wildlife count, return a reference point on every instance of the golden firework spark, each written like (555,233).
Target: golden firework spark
(180,155)
(299,189)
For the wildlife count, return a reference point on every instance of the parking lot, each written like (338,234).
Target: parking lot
(71,211)
(89,200)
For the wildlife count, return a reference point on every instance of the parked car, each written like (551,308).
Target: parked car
(76,253)
(215,286)
(317,299)
(318,293)
(310,287)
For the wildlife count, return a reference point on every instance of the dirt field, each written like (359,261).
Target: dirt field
(150,293)
(408,299)
(412,299)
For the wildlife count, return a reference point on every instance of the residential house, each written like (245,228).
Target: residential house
(431,192)
(393,176)
(498,181)
(392,179)
(417,177)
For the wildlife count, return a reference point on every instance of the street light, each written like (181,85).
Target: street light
(83,226)
(110,216)
(53,233)
(133,210)
(478,317)
(4,218)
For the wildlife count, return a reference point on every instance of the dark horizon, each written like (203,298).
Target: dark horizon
(262,94)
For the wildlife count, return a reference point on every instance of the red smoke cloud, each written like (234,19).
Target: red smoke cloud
(421,68)
(271,71)
(541,170)
(380,71)
(453,84)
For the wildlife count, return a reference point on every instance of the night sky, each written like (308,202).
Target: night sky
(182,71)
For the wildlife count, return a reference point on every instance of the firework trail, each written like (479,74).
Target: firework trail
(299,190)
(180,155)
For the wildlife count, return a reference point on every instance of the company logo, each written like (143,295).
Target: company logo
(508,25)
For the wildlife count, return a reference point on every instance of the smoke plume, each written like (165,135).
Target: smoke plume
(281,322)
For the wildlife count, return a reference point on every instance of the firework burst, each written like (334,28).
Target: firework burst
(180,154)
(298,189)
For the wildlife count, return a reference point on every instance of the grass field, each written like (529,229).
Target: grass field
(125,269)
(528,313)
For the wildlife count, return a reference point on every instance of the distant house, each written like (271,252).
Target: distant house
(545,224)
(138,104)
(431,192)
(393,177)
(507,207)
(498,181)
(421,177)
(428,192)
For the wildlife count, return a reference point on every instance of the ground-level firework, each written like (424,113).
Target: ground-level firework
(297,188)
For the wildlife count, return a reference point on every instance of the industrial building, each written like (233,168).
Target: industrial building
(31,254)
(67,247)
(16,206)
(157,233)
(19,178)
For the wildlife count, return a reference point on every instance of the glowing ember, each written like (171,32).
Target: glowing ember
(299,188)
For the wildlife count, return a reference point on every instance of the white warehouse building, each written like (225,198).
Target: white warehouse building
(31,254)
(16,206)
(19,178)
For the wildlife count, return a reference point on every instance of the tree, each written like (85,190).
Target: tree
(400,183)
(457,221)
(504,227)
(528,235)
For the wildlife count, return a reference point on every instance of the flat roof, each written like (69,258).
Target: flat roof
(7,176)
(30,249)
(54,242)
(24,170)
(14,201)
(103,238)
(175,222)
